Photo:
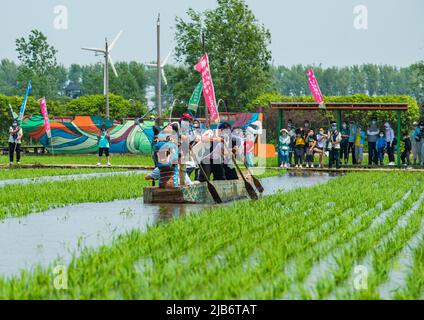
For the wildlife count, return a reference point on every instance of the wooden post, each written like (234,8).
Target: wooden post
(399,123)
(339,120)
(280,127)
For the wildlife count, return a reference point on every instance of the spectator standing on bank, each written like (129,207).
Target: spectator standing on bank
(352,137)
(372,135)
(334,139)
(344,145)
(390,141)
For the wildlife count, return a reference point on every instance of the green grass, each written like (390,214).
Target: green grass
(244,250)
(19,200)
(116,159)
(8,174)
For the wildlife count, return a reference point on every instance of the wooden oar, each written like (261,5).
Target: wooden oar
(256,181)
(212,190)
(249,188)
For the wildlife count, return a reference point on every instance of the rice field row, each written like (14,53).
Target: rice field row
(21,199)
(12,174)
(344,239)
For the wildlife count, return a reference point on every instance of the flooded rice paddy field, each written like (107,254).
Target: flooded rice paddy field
(311,236)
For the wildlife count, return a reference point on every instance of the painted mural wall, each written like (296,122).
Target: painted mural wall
(78,135)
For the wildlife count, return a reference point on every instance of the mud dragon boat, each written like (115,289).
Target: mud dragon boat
(196,193)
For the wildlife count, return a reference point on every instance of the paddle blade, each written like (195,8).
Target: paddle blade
(258,184)
(251,191)
(214,193)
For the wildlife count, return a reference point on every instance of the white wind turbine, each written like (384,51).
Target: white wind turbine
(162,67)
(108,60)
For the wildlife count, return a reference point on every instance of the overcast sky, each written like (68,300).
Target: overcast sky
(303,31)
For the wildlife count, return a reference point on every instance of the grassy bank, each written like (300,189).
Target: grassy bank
(82,159)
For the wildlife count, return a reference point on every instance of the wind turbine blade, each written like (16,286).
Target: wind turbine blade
(112,66)
(167,58)
(165,81)
(94,49)
(151,65)
(112,45)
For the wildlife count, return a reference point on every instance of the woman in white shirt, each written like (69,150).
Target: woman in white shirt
(15,140)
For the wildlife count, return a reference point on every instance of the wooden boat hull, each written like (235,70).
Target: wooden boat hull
(196,194)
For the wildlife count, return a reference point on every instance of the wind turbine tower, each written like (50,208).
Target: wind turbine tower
(108,61)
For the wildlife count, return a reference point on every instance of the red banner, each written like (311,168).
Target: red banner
(43,107)
(313,85)
(208,90)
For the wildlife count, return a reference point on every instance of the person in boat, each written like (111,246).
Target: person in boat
(15,139)
(157,128)
(321,146)
(197,137)
(186,137)
(166,150)
(103,142)
(230,145)
(285,142)
(211,158)
(334,138)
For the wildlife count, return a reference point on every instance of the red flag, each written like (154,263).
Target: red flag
(43,107)
(208,90)
(313,85)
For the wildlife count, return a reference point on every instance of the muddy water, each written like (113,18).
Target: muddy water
(57,234)
(68,177)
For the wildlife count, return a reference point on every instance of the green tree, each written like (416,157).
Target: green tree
(8,77)
(39,64)
(237,46)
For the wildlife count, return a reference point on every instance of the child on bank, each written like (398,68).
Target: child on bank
(310,149)
(381,146)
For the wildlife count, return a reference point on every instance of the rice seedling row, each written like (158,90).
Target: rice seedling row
(245,250)
(325,257)
(351,254)
(12,174)
(19,200)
